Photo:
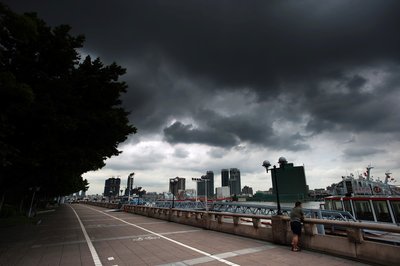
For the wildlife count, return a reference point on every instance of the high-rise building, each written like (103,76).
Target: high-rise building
(129,184)
(206,181)
(201,189)
(174,188)
(210,184)
(246,190)
(234,181)
(111,187)
(224,178)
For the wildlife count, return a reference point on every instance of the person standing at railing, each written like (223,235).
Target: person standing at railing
(296,218)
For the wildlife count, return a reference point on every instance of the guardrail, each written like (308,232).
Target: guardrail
(351,242)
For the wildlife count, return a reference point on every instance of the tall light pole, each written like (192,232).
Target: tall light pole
(205,188)
(267,164)
(173,182)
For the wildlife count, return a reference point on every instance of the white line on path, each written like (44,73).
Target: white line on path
(171,240)
(95,256)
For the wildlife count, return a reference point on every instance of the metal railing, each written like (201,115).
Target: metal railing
(256,209)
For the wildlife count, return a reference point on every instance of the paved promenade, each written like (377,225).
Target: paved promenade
(85,235)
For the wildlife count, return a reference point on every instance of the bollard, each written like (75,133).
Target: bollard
(256,222)
(279,229)
(355,235)
(310,229)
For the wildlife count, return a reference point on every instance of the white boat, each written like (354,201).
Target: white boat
(366,199)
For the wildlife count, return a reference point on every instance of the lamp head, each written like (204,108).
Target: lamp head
(174,180)
(205,178)
(266,164)
(282,160)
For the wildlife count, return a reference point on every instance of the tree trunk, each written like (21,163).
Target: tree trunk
(21,205)
(2,200)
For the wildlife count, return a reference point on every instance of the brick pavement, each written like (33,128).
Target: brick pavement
(126,239)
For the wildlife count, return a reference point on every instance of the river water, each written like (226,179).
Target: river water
(306,204)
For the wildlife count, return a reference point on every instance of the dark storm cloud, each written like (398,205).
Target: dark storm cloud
(228,132)
(312,54)
(234,42)
(180,133)
(349,107)
(356,82)
(361,152)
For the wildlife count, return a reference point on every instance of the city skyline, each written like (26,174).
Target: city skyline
(199,186)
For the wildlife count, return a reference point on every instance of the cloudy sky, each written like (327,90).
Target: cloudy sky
(221,84)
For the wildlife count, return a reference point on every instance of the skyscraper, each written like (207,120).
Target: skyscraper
(247,190)
(234,181)
(210,184)
(224,178)
(111,187)
(129,184)
(181,185)
(201,191)
(206,180)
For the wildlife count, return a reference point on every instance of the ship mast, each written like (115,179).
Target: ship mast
(387,177)
(369,167)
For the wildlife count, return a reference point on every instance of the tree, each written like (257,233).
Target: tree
(60,116)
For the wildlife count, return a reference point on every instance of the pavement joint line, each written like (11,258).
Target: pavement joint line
(170,239)
(58,244)
(153,223)
(93,220)
(133,237)
(181,232)
(105,225)
(95,256)
(113,210)
(221,255)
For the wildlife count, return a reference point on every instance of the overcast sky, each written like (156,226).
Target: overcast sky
(223,84)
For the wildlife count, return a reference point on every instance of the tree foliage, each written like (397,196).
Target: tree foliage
(60,115)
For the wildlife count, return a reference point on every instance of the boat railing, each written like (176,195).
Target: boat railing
(329,215)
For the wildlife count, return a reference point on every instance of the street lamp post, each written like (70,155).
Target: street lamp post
(196,192)
(205,188)
(267,164)
(173,182)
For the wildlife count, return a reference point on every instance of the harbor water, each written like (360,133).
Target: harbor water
(306,204)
